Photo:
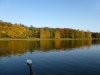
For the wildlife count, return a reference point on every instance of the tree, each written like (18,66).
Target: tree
(82,34)
(16,31)
(57,34)
(88,34)
(32,29)
(47,33)
(42,33)
(66,32)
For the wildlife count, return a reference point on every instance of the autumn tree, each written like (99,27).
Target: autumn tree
(9,30)
(82,34)
(52,32)
(47,33)
(66,32)
(57,34)
(62,32)
(16,31)
(42,33)
(88,34)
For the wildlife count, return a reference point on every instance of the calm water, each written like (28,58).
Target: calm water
(70,57)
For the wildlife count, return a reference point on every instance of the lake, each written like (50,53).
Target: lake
(50,57)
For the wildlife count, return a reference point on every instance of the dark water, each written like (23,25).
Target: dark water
(59,57)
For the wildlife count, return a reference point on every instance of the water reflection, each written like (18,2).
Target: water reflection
(13,47)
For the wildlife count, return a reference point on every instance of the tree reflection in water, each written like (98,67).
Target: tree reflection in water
(15,47)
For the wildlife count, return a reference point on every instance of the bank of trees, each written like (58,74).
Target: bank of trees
(9,30)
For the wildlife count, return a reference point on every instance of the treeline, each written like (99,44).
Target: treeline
(9,30)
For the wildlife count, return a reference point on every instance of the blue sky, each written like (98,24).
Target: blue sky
(76,14)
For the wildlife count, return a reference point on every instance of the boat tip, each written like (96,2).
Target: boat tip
(29,61)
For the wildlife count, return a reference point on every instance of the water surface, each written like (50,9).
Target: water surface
(55,57)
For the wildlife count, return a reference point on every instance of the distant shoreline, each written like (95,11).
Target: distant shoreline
(49,39)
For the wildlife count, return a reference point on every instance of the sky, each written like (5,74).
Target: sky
(75,14)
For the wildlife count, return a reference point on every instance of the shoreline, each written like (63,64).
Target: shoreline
(50,39)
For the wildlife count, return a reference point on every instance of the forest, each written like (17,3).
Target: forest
(20,31)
